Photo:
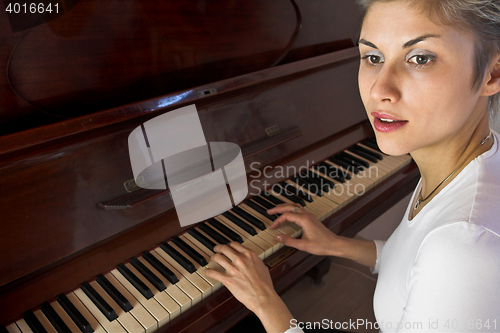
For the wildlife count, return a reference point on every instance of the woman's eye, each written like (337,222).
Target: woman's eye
(373,59)
(420,60)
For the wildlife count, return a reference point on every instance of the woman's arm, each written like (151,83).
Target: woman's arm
(318,239)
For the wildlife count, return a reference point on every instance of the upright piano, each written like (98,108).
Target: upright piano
(82,246)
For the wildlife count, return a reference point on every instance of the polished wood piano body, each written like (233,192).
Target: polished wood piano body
(68,212)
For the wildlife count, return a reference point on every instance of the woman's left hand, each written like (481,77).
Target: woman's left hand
(248,279)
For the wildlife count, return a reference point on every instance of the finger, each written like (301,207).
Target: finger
(223,261)
(299,219)
(239,248)
(283,208)
(216,275)
(226,250)
(291,242)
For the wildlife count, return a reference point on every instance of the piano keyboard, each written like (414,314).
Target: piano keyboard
(157,286)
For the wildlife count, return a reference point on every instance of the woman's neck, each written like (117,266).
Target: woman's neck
(437,162)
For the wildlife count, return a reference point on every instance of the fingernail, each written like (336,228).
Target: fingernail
(280,238)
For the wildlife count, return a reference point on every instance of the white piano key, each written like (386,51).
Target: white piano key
(177,295)
(202,250)
(256,244)
(270,240)
(12,328)
(23,326)
(194,278)
(154,308)
(205,252)
(85,313)
(286,200)
(199,269)
(163,298)
(109,326)
(44,321)
(65,317)
(287,228)
(317,207)
(140,313)
(184,284)
(337,196)
(321,203)
(125,318)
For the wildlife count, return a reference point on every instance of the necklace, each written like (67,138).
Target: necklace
(420,199)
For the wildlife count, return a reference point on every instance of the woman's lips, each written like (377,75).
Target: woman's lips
(386,123)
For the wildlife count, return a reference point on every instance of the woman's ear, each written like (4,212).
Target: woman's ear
(491,83)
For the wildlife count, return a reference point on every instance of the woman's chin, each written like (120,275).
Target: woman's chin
(392,148)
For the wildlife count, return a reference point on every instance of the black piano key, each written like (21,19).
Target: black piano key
(263,202)
(3,329)
(54,318)
(353,158)
(370,152)
(260,210)
(249,217)
(202,239)
(99,302)
(160,267)
(240,223)
(74,314)
(135,281)
(350,161)
(329,172)
(183,261)
(195,255)
(33,322)
(214,234)
(262,199)
(272,198)
(225,230)
(114,293)
(369,142)
(313,180)
(327,181)
(281,191)
(146,272)
(344,164)
(333,172)
(325,184)
(359,153)
(298,192)
(312,188)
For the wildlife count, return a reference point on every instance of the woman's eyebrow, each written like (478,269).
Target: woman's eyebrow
(418,40)
(405,45)
(364,41)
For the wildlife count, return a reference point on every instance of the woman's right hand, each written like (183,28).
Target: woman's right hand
(316,238)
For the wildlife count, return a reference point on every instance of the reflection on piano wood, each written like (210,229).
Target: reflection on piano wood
(152,289)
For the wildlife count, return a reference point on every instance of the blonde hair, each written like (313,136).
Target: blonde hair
(481,17)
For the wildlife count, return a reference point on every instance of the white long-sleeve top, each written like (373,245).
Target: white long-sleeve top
(440,272)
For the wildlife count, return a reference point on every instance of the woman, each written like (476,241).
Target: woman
(429,73)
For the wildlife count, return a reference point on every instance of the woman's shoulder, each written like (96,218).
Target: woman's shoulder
(460,243)
(485,210)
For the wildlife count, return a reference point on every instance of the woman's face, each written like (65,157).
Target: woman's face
(415,79)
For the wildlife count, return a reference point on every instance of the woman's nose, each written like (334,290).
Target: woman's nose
(386,88)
